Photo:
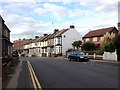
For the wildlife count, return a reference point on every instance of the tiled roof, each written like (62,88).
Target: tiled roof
(47,37)
(42,38)
(61,32)
(99,32)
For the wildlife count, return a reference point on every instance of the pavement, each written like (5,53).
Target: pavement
(105,61)
(13,77)
(21,78)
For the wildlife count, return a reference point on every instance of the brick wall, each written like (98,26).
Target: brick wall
(18,44)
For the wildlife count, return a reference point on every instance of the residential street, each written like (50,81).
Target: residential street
(61,73)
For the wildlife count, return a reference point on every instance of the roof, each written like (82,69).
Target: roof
(43,38)
(47,37)
(61,32)
(99,32)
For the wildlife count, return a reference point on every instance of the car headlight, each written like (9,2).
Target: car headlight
(81,57)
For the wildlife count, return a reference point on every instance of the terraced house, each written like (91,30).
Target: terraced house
(6,48)
(53,44)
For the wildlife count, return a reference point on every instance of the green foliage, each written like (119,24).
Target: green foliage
(109,47)
(100,52)
(76,44)
(116,41)
(88,46)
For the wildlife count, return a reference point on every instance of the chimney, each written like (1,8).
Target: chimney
(56,30)
(36,37)
(45,34)
(72,26)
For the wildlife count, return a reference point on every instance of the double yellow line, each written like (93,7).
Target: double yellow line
(35,81)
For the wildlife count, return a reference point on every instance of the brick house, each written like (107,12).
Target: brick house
(18,44)
(119,27)
(98,36)
(5,48)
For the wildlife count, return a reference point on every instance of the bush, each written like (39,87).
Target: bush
(88,46)
(100,52)
(109,47)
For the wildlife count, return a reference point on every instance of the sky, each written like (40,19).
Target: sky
(30,18)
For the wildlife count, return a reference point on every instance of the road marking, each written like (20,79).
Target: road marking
(32,76)
(35,77)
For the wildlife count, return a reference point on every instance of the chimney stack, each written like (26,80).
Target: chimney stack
(36,37)
(45,34)
(72,26)
(56,30)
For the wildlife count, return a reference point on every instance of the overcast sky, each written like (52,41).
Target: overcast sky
(28,18)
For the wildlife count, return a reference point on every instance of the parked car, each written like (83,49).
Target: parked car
(15,54)
(78,55)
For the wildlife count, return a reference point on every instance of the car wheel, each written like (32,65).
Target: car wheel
(69,59)
(79,60)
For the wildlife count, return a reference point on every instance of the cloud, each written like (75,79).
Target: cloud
(48,9)
(78,12)
(25,20)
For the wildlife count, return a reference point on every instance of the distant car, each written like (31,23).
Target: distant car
(78,55)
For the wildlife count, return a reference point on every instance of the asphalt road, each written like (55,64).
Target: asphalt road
(60,73)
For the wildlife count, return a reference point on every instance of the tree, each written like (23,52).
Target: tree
(116,42)
(76,44)
(88,46)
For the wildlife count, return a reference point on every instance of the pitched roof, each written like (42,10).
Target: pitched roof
(42,38)
(61,32)
(99,32)
(47,37)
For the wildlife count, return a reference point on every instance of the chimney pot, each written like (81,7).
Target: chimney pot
(36,37)
(72,26)
(45,34)
(56,30)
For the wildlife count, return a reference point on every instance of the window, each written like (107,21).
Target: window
(94,39)
(87,39)
(59,40)
(101,38)
(45,49)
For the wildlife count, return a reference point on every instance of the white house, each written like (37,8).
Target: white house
(64,39)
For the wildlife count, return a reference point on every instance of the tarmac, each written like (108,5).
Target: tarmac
(13,81)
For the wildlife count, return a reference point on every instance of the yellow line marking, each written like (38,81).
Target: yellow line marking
(32,76)
(35,77)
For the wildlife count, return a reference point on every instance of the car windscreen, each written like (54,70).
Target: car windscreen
(81,53)
(77,52)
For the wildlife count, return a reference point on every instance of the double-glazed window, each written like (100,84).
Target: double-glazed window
(94,39)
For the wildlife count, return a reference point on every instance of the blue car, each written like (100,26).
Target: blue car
(78,55)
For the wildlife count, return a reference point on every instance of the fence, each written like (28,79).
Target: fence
(94,56)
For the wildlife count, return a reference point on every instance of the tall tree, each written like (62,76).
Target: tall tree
(116,42)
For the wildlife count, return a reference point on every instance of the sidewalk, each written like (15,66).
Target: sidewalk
(20,78)
(101,61)
(105,61)
(11,81)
